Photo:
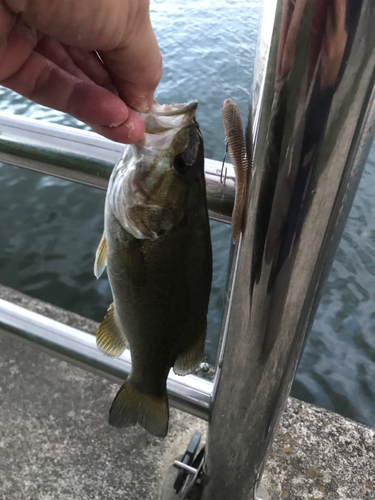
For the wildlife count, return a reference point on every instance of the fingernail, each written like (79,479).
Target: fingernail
(130,124)
(114,125)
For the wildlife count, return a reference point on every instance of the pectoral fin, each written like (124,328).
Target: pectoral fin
(100,257)
(188,360)
(109,338)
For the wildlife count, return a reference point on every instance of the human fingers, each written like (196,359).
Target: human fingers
(136,65)
(40,80)
(84,65)
(91,64)
(120,30)
(57,53)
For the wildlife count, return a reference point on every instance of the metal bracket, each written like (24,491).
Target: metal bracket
(190,467)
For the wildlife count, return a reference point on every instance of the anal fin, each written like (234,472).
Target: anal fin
(131,407)
(188,360)
(109,338)
(100,257)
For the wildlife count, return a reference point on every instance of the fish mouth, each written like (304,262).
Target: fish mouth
(174,109)
(164,118)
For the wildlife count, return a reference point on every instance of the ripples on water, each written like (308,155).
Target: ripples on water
(50,228)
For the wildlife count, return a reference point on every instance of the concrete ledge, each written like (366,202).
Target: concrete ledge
(319,454)
(55,442)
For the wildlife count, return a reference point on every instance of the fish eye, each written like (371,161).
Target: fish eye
(182,163)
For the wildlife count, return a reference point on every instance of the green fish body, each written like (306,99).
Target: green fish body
(157,249)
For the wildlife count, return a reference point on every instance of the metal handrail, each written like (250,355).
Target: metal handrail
(81,156)
(191,393)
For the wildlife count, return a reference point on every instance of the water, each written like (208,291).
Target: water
(50,228)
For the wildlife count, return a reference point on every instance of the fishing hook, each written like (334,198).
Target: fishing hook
(223,164)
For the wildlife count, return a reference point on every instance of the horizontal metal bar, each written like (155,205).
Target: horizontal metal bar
(187,468)
(82,156)
(191,394)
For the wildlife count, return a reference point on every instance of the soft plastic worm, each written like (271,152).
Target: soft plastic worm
(233,132)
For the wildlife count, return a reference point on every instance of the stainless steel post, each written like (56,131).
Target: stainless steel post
(314,128)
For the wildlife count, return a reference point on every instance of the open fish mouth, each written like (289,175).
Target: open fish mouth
(165,117)
(173,109)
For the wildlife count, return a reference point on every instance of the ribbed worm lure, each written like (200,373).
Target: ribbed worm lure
(241,154)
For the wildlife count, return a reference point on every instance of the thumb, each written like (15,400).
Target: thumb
(136,65)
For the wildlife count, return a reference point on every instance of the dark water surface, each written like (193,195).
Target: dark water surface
(49,228)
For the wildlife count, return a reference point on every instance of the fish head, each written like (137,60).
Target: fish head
(163,173)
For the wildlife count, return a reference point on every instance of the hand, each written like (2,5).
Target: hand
(93,59)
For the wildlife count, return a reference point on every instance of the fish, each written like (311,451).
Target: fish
(157,249)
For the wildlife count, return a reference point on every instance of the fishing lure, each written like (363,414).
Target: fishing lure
(241,154)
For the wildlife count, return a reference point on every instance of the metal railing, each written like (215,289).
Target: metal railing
(191,393)
(84,157)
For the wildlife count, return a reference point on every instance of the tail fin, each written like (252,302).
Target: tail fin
(131,406)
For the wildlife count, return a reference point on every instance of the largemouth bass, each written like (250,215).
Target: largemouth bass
(157,248)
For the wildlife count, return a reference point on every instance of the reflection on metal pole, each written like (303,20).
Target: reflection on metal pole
(314,128)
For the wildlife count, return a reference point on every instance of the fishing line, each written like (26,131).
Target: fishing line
(238,59)
(240,49)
